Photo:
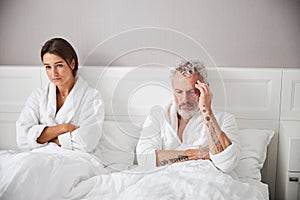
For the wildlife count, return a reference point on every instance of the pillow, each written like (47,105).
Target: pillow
(254,143)
(118,143)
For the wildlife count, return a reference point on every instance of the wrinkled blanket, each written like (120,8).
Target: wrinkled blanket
(74,175)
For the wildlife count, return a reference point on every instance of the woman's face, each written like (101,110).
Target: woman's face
(58,71)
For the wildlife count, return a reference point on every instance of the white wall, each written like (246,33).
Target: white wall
(261,33)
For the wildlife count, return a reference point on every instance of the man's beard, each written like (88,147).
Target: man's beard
(187,114)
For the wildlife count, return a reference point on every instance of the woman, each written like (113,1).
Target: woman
(61,125)
(67,113)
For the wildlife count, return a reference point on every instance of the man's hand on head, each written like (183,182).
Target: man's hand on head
(205,98)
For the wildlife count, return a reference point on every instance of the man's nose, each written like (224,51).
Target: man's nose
(184,97)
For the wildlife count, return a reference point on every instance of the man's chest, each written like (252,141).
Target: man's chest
(190,136)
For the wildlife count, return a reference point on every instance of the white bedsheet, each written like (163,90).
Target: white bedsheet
(46,173)
(262,187)
(80,176)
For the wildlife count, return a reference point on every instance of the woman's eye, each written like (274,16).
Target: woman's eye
(48,67)
(59,65)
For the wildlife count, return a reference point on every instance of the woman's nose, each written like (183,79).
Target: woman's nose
(54,70)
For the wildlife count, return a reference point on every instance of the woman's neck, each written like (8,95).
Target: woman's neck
(64,90)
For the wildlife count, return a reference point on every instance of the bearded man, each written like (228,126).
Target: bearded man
(188,128)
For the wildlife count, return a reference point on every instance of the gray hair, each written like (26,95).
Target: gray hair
(188,68)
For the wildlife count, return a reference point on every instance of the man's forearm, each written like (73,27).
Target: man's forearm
(167,157)
(217,139)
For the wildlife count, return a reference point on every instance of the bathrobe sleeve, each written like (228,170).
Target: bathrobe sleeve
(90,119)
(228,159)
(28,128)
(150,138)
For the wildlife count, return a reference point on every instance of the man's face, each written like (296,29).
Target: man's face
(186,95)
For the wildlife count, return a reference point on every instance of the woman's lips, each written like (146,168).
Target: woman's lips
(56,79)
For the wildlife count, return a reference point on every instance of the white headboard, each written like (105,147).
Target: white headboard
(251,94)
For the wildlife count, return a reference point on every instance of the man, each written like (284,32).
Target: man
(189,129)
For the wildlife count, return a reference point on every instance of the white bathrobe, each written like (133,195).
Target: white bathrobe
(160,133)
(83,107)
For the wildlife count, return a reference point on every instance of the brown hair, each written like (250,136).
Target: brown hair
(63,49)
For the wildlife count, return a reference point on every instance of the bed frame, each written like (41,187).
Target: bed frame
(253,95)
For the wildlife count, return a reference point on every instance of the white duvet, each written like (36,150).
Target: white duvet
(75,175)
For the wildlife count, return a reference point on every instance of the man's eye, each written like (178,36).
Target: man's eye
(191,92)
(48,67)
(59,65)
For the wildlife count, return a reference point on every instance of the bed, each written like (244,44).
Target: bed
(252,95)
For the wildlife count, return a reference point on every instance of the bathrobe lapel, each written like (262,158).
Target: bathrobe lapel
(190,133)
(71,104)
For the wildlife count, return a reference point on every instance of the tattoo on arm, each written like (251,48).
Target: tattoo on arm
(179,158)
(174,160)
(214,136)
(163,162)
(218,142)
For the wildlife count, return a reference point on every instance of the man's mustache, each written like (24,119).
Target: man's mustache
(187,104)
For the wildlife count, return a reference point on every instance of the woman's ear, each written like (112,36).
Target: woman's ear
(73,64)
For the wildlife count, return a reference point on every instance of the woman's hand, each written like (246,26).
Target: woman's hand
(52,132)
(68,128)
(56,141)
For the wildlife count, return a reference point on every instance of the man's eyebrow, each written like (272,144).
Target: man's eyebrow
(194,90)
